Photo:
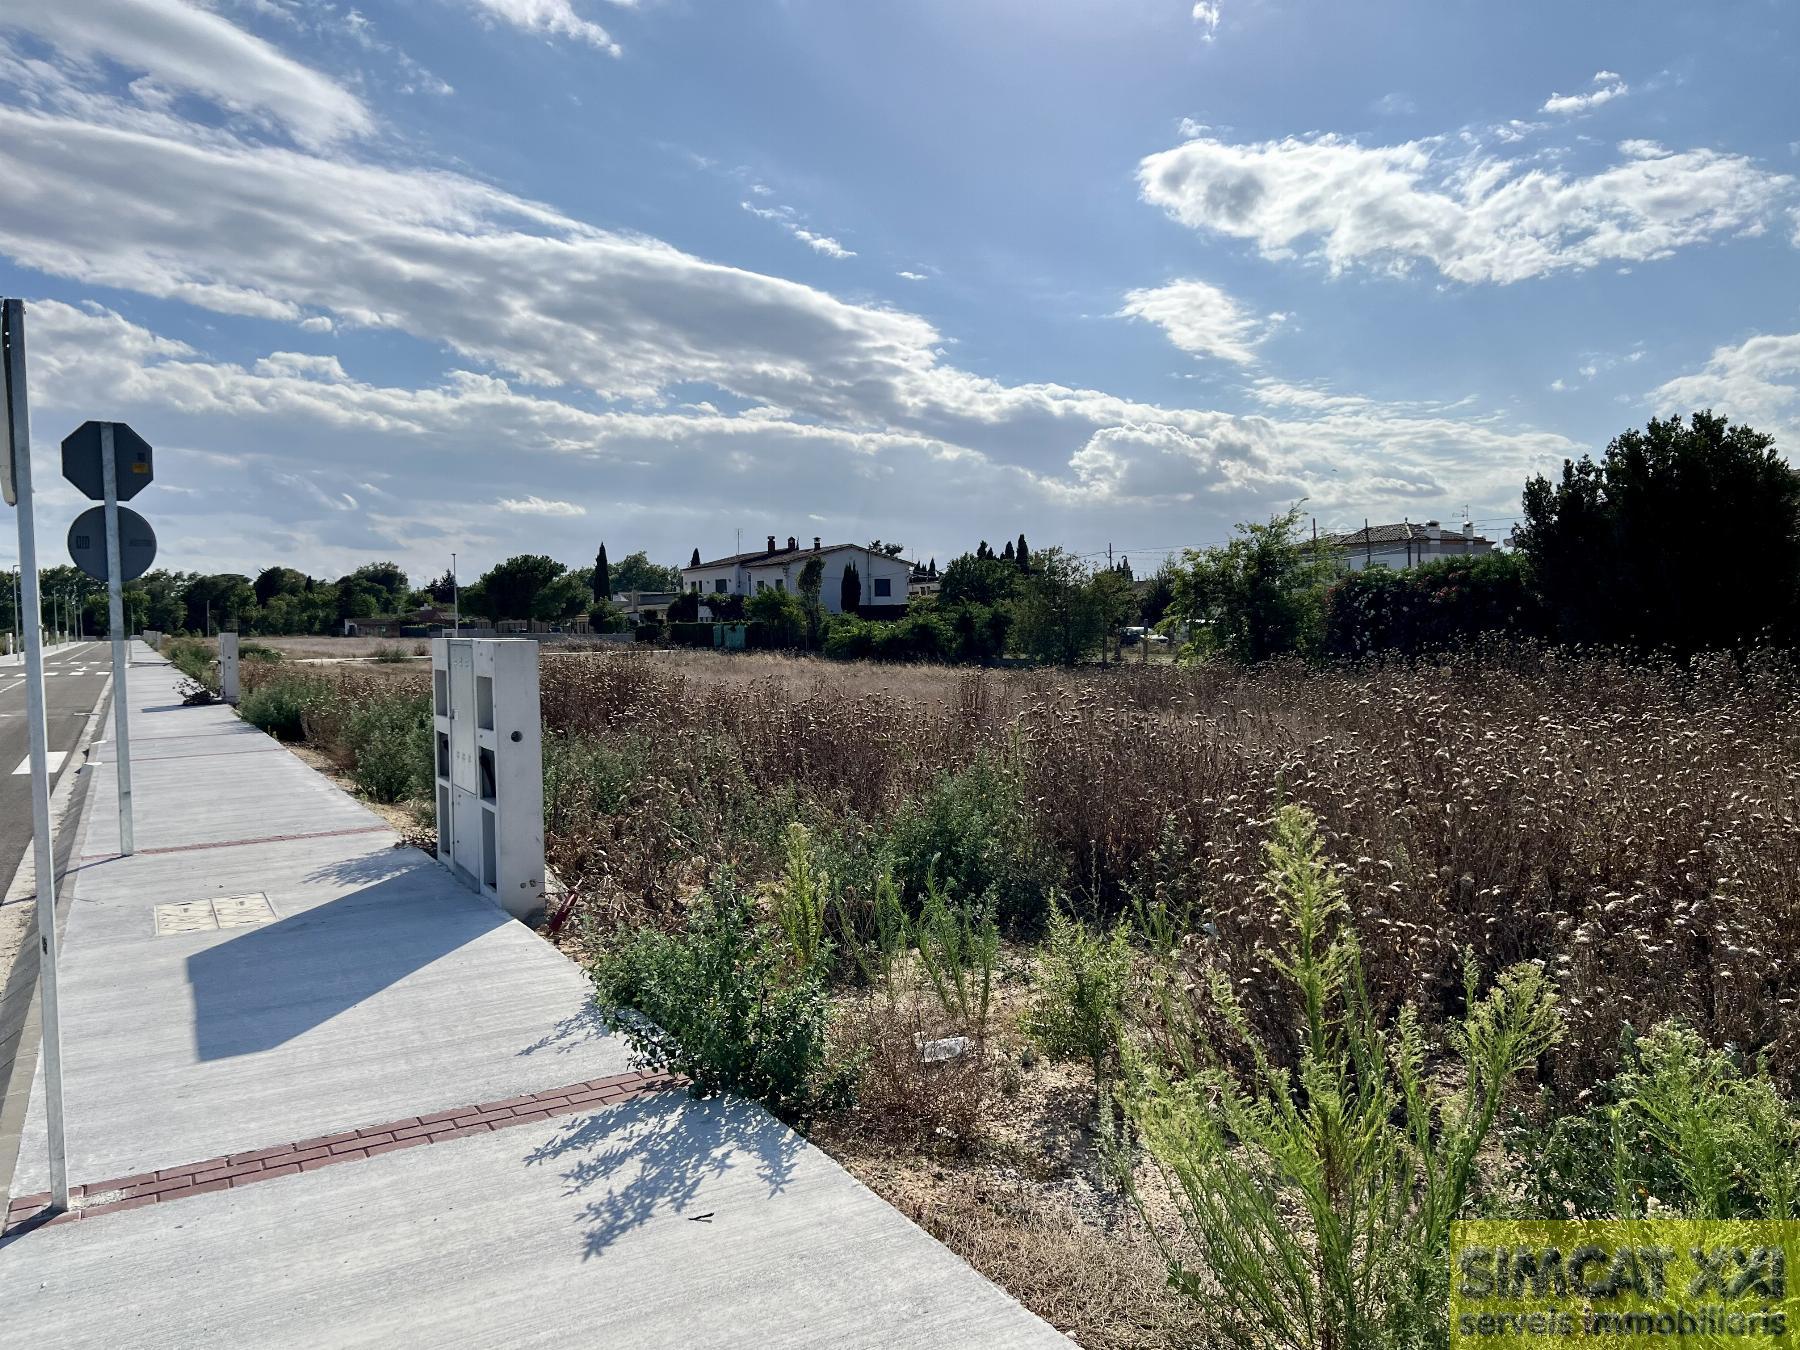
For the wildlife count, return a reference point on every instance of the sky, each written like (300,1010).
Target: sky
(407,277)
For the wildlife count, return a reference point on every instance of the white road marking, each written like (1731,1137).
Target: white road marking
(56,758)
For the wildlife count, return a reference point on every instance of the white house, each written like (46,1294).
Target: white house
(1404,546)
(883,579)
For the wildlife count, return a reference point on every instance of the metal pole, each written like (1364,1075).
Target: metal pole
(115,620)
(455,601)
(43,855)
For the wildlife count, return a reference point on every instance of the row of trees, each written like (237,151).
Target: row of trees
(1682,537)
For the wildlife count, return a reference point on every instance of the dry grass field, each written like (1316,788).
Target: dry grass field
(1630,832)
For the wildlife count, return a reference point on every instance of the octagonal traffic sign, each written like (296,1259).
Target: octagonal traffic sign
(82,466)
(87,543)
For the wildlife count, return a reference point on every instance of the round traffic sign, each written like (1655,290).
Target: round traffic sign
(87,543)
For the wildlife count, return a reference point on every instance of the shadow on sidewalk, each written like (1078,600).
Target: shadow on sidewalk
(270,984)
(653,1154)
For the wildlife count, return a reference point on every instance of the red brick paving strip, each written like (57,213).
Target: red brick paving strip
(309,1155)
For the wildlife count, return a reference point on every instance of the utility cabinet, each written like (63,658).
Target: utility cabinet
(488,747)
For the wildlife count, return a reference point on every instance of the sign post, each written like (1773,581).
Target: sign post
(111,462)
(115,624)
(17,482)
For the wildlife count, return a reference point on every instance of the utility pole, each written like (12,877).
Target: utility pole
(455,601)
(17,445)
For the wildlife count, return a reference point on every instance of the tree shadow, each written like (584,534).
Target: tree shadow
(571,1033)
(652,1156)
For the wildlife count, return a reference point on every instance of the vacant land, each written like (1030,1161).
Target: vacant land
(1627,836)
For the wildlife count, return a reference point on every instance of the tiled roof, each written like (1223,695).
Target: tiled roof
(1393,534)
(762,556)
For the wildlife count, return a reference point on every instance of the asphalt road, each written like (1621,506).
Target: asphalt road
(74,680)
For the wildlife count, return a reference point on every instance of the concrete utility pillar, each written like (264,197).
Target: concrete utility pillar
(487,736)
(228,667)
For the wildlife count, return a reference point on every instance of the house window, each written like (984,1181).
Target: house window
(694,586)
(780,585)
(719,586)
(884,586)
(761,585)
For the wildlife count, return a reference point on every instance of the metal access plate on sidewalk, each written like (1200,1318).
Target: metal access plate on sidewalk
(202,916)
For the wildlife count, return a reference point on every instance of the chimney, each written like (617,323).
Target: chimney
(1434,531)
(792,543)
(771,547)
(1468,529)
(815,543)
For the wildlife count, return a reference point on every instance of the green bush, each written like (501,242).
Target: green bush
(586,776)
(1319,1199)
(722,1004)
(279,707)
(691,634)
(1430,607)
(958,948)
(1682,1128)
(972,830)
(1079,1012)
(194,659)
(391,741)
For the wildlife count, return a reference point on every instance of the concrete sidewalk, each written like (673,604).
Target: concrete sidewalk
(373,1113)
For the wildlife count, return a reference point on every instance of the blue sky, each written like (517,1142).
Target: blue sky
(521,275)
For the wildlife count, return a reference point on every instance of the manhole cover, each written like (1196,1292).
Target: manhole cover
(200,916)
(243,911)
(191,916)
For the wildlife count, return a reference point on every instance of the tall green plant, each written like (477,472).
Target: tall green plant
(1082,986)
(800,898)
(1319,1199)
(958,949)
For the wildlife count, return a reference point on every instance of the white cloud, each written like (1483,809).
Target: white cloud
(1606,87)
(784,216)
(1200,318)
(1474,218)
(538,506)
(911,276)
(317,323)
(951,445)
(1757,381)
(272,233)
(555,17)
(1206,14)
(179,46)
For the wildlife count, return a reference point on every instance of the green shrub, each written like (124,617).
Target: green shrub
(800,896)
(958,947)
(1079,1012)
(721,1003)
(1430,607)
(587,776)
(279,707)
(971,829)
(1682,1128)
(389,655)
(194,659)
(1319,1200)
(391,741)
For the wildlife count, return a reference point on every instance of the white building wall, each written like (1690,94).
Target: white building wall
(746,578)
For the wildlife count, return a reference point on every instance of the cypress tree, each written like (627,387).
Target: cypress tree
(1007,554)
(695,560)
(1022,555)
(850,590)
(602,578)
